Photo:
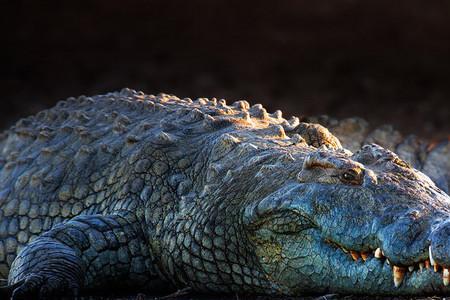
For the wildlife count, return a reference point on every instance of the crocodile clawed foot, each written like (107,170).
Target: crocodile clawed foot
(40,287)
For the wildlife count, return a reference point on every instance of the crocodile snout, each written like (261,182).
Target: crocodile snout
(439,249)
(416,242)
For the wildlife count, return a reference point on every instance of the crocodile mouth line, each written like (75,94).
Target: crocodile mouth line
(398,272)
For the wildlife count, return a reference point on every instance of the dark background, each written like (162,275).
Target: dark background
(387,61)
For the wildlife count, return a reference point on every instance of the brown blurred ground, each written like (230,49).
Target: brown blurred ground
(385,61)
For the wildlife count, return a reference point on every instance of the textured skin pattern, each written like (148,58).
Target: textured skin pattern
(430,157)
(135,189)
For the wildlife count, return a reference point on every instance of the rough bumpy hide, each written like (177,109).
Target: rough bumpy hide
(136,189)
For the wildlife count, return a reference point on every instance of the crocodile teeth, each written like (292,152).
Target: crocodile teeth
(411,268)
(445,277)
(421,266)
(355,255)
(398,274)
(378,253)
(364,255)
(431,256)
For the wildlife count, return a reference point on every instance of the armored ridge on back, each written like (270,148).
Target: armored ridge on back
(134,190)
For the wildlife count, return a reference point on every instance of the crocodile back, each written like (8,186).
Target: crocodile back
(86,155)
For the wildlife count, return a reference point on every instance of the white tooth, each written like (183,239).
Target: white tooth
(445,276)
(421,266)
(378,253)
(436,268)
(431,257)
(411,268)
(398,274)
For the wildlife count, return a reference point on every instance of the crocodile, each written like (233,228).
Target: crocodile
(129,190)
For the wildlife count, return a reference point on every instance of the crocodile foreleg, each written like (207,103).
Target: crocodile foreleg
(87,252)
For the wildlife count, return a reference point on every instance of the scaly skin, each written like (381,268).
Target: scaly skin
(430,157)
(131,190)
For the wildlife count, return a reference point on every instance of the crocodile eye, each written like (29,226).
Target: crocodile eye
(350,177)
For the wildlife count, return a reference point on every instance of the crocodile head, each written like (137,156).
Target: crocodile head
(362,223)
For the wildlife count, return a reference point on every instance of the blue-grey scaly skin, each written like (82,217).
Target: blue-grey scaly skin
(131,190)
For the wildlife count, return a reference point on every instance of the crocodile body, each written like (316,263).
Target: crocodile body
(134,190)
